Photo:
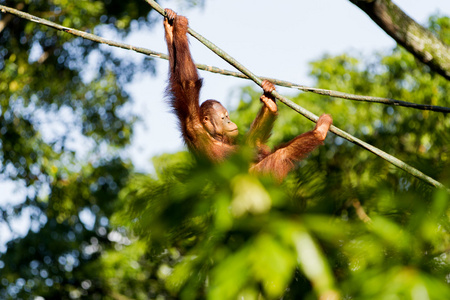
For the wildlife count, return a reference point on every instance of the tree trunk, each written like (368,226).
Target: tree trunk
(416,39)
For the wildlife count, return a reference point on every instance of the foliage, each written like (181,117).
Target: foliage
(64,121)
(345,223)
(218,232)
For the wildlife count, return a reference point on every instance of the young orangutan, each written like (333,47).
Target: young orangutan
(208,130)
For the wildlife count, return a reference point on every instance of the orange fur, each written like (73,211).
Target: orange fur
(183,92)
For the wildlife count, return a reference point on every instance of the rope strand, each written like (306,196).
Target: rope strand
(307,114)
(213,69)
(247,74)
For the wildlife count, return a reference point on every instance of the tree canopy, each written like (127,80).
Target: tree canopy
(371,230)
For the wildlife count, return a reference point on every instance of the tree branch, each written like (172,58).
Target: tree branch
(360,212)
(419,41)
(4,21)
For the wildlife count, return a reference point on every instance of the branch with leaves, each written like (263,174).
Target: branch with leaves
(258,80)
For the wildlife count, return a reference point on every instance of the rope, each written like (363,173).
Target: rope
(307,114)
(247,74)
(213,69)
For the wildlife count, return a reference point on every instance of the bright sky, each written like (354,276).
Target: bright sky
(271,38)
